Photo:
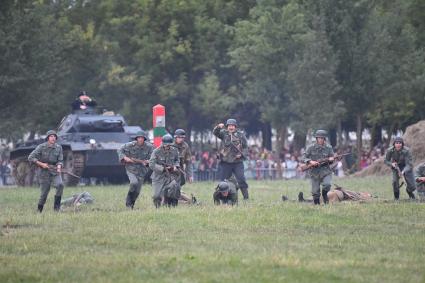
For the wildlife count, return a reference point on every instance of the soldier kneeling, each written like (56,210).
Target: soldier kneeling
(226,193)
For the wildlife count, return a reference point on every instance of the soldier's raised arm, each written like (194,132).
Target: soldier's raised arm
(218,131)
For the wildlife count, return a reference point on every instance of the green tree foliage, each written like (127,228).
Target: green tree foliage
(307,64)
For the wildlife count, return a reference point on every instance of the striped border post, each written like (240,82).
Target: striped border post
(158,112)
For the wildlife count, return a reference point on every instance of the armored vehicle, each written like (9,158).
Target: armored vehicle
(89,141)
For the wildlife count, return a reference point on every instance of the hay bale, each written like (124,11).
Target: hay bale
(414,138)
(377,168)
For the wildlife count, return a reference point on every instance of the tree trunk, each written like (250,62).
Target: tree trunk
(189,134)
(280,144)
(359,130)
(32,135)
(332,137)
(375,135)
(266,132)
(299,141)
(282,134)
(339,134)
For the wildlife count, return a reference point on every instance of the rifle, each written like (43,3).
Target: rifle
(322,162)
(400,174)
(166,166)
(238,150)
(53,168)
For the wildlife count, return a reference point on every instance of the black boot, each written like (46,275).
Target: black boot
(57,204)
(325,196)
(411,195)
(157,203)
(245,193)
(396,195)
(301,197)
(129,202)
(316,201)
(40,208)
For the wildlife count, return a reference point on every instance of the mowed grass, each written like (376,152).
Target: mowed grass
(262,240)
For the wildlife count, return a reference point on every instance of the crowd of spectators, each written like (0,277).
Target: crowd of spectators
(263,164)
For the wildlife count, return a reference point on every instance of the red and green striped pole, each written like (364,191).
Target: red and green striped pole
(158,124)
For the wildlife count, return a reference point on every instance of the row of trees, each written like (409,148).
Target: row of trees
(342,65)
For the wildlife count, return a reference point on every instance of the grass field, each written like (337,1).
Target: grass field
(262,240)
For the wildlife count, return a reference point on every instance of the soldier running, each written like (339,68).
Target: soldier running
(136,155)
(234,149)
(320,173)
(49,157)
(164,163)
(399,158)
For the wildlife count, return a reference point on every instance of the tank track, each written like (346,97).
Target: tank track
(74,163)
(23,172)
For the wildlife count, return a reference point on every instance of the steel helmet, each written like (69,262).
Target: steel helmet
(141,134)
(167,139)
(231,122)
(223,187)
(51,132)
(321,134)
(179,133)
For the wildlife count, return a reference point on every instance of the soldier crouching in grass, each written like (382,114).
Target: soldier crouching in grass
(319,156)
(226,193)
(420,181)
(136,155)
(399,158)
(234,149)
(49,157)
(164,163)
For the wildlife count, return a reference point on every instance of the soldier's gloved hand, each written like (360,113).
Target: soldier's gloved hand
(313,163)
(221,125)
(128,160)
(43,165)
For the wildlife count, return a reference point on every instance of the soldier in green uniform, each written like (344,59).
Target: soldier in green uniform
(185,156)
(165,164)
(49,157)
(320,174)
(399,158)
(226,193)
(420,181)
(135,155)
(233,151)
